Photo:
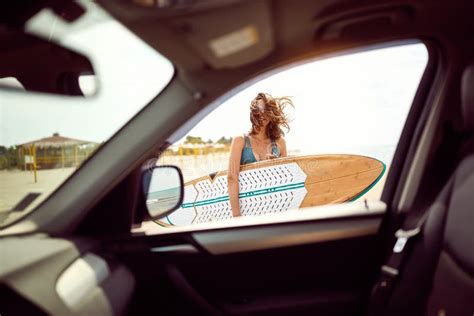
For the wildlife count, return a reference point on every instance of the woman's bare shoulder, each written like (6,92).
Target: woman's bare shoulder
(238,140)
(281,141)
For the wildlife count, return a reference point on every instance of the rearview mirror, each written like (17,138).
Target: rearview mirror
(30,63)
(163,190)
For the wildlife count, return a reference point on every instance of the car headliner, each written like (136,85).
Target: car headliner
(289,31)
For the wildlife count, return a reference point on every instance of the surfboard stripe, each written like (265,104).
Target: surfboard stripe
(246,194)
(372,184)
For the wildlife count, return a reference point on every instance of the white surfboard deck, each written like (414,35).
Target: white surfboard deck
(262,191)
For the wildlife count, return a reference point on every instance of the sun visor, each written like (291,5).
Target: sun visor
(226,42)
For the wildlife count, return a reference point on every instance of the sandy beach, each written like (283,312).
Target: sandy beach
(15,184)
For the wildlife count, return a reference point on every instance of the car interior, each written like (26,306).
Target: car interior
(82,250)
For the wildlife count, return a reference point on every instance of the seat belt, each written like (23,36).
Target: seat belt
(390,272)
(411,228)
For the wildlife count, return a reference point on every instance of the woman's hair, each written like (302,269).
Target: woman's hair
(274,108)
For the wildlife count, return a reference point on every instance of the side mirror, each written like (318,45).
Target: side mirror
(163,190)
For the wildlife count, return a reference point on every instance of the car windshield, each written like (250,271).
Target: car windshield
(45,138)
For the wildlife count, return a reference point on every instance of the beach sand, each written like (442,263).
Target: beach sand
(16,184)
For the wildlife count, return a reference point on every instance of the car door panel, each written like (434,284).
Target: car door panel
(262,238)
(325,276)
(323,265)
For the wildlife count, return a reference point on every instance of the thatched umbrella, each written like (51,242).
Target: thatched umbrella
(57,145)
(55,141)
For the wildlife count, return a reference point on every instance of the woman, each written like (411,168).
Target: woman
(264,141)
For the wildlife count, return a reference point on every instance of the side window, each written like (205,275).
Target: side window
(45,137)
(345,115)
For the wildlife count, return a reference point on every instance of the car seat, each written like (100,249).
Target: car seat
(433,274)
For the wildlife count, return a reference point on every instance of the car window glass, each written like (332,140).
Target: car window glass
(346,122)
(45,138)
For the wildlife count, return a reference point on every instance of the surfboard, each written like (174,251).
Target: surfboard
(278,185)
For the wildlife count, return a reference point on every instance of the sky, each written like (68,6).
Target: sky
(351,103)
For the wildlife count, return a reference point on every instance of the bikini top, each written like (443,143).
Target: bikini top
(247,152)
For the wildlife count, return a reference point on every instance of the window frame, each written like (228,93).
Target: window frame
(404,150)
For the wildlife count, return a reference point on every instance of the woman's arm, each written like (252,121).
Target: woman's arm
(233,173)
(282,145)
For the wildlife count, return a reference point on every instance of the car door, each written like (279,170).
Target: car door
(321,260)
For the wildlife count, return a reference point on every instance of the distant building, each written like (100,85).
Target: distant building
(54,152)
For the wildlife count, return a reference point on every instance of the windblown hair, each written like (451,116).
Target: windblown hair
(274,108)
